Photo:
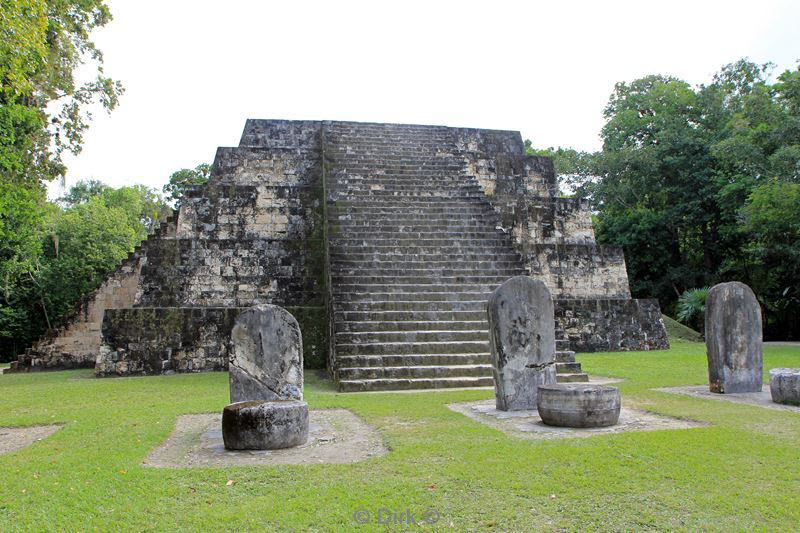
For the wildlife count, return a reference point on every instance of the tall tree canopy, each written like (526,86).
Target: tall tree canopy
(44,112)
(699,185)
(84,237)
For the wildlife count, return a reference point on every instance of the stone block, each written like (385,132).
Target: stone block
(578,405)
(260,425)
(784,385)
(267,356)
(522,341)
(733,339)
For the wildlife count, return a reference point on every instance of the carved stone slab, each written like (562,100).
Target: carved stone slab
(733,339)
(267,356)
(522,341)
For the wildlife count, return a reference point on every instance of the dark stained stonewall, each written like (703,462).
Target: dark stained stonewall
(578,405)
(265,425)
(522,341)
(267,356)
(784,385)
(733,339)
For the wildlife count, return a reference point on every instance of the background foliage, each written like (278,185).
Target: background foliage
(699,185)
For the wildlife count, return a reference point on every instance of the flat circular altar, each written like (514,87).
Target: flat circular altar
(258,425)
(578,405)
(784,385)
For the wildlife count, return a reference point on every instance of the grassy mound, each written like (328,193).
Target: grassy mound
(676,330)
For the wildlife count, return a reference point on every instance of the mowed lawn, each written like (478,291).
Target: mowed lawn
(741,472)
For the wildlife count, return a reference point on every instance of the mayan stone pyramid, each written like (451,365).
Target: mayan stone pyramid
(383,240)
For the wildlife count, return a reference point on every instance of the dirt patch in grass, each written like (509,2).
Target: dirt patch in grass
(528,424)
(761,399)
(335,436)
(15,438)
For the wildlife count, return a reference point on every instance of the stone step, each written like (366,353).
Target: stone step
(341,298)
(410,218)
(411,384)
(375,288)
(411,246)
(401,348)
(428,278)
(565,356)
(568,368)
(381,198)
(447,359)
(410,188)
(402,179)
(373,337)
(433,276)
(372,326)
(461,211)
(451,267)
(382,159)
(572,378)
(430,315)
(452,258)
(376,158)
(426,240)
(414,372)
(385,228)
(398,305)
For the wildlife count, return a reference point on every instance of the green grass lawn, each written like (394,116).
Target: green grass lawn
(741,472)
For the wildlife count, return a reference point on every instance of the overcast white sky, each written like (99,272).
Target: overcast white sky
(194,70)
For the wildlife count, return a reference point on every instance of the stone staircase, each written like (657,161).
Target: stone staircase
(415,251)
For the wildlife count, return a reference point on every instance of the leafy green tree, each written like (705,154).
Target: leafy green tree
(185,178)
(78,242)
(695,183)
(771,217)
(43,110)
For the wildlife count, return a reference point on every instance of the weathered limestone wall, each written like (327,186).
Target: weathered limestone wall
(610,325)
(144,340)
(554,235)
(579,270)
(77,343)
(252,235)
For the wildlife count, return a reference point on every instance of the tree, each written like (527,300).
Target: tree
(771,217)
(44,42)
(43,112)
(183,179)
(80,241)
(695,183)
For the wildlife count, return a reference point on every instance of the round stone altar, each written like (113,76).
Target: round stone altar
(258,425)
(784,385)
(578,405)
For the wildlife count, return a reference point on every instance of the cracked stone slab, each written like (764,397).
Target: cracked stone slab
(12,439)
(527,424)
(760,399)
(335,436)
(267,356)
(522,341)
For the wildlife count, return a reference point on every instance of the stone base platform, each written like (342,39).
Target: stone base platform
(529,425)
(335,436)
(759,399)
